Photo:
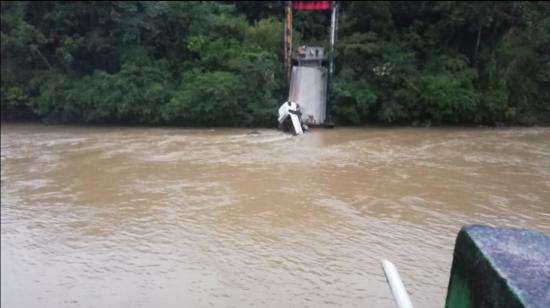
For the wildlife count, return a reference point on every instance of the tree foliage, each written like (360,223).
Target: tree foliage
(446,62)
(220,63)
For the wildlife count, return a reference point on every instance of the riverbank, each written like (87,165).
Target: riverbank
(36,121)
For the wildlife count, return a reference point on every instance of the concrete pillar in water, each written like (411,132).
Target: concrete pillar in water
(308,87)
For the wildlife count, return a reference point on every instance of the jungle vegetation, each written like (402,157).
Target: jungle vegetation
(221,63)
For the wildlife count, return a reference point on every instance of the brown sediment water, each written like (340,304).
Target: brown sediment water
(148,217)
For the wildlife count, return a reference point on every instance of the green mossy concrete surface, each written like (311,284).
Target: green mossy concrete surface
(500,267)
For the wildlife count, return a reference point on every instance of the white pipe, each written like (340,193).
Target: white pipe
(398,289)
(332,36)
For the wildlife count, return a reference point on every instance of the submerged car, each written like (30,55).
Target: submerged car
(290,118)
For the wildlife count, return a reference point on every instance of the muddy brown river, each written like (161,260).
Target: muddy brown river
(149,217)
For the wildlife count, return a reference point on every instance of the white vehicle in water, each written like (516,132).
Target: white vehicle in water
(290,118)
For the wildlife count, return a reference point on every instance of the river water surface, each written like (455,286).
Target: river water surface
(147,217)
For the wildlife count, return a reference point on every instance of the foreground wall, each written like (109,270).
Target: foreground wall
(500,267)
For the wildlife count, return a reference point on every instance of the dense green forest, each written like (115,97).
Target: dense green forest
(221,63)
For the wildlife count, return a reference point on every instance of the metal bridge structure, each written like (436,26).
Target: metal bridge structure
(306,66)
